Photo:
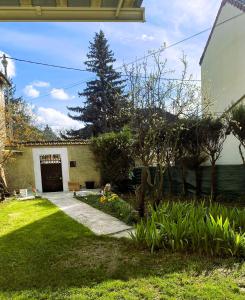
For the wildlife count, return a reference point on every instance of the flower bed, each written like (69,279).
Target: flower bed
(112,205)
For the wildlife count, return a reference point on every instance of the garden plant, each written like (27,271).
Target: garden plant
(210,229)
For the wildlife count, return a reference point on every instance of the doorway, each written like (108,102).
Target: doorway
(51,173)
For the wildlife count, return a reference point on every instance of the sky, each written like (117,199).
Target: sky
(49,91)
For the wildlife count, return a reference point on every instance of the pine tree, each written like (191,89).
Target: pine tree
(106,106)
(49,134)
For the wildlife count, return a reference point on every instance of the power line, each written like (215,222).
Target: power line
(136,60)
(46,64)
(130,63)
(160,78)
(182,41)
(83,70)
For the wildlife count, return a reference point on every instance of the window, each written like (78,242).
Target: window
(73,164)
(50,159)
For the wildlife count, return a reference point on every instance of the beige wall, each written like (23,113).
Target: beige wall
(223,72)
(86,169)
(20,169)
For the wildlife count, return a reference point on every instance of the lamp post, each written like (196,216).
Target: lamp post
(9,124)
(5,65)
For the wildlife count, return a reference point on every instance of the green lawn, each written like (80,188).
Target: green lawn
(46,255)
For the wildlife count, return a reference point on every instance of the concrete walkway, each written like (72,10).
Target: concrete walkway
(97,221)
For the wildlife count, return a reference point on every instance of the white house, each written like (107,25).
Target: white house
(223,67)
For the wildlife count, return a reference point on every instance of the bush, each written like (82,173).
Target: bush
(113,154)
(116,207)
(192,227)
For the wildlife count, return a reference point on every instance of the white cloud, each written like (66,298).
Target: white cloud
(56,119)
(41,84)
(60,94)
(11,66)
(146,38)
(31,92)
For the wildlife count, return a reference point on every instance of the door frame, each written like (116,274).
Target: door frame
(37,152)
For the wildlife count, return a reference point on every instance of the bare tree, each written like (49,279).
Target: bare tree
(157,105)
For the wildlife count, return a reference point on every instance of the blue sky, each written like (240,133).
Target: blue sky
(67,44)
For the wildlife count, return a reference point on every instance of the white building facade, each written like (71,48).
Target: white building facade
(223,68)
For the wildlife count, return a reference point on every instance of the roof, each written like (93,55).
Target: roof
(240,4)
(71,10)
(4,80)
(50,143)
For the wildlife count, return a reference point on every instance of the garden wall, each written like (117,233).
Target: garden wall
(230,180)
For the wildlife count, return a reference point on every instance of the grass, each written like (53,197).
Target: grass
(119,209)
(44,254)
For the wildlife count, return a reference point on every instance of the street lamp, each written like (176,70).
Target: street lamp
(5,65)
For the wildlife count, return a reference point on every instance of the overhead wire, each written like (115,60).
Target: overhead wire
(130,63)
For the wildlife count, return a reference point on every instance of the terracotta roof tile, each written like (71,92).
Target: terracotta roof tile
(52,143)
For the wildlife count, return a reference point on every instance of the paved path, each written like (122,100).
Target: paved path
(97,221)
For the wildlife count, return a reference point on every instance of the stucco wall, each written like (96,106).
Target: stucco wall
(86,169)
(223,72)
(20,169)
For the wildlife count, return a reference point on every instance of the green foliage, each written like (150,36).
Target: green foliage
(237,126)
(49,134)
(238,122)
(213,229)
(113,154)
(118,208)
(21,119)
(106,105)
(214,132)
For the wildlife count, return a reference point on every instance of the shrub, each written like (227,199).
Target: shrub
(114,206)
(113,154)
(237,126)
(192,227)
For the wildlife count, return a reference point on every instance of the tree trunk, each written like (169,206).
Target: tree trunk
(213,181)
(170,181)
(141,191)
(241,153)
(158,186)
(184,184)
(198,181)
